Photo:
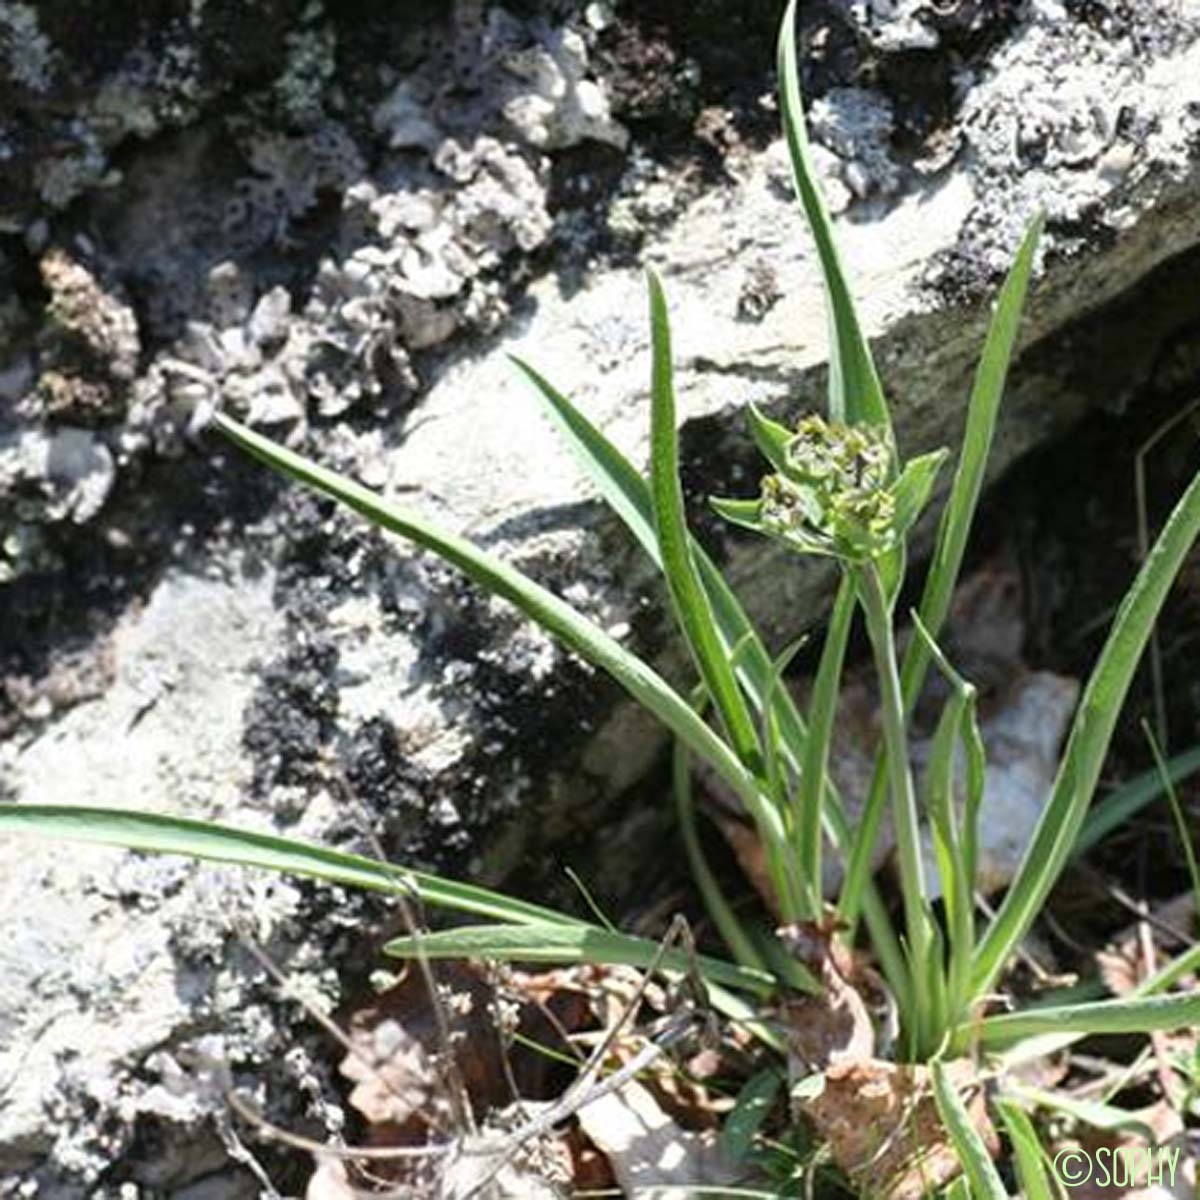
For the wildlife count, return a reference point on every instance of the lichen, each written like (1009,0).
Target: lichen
(26,50)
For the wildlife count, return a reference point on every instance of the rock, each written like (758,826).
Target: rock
(341,242)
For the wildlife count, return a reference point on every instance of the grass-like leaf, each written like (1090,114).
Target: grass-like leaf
(675,545)
(855,394)
(163,834)
(821,714)
(983,407)
(208,840)
(1128,799)
(1087,744)
(750,1110)
(1040,1045)
(977,1164)
(955,843)
(623,488)
(548,610)
(1183,965)
(719,909)
(905,818)
(1181,825)
(769,436)
(1029,1155)
(914,487)
(1095,1113)
(1126,1015)
(555,942)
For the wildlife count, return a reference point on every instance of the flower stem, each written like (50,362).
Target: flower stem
(904,800)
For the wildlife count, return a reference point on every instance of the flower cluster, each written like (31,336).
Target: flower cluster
(831,496)
(835,490)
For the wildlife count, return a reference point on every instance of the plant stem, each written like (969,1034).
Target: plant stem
(904,800)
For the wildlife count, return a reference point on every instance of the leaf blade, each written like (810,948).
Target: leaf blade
(556,942)
(1088,740)
(625,490)
(541,605)
(855,393)
(977,1163)
(161,833)
(1143,1014)
(674,544)
(953,530)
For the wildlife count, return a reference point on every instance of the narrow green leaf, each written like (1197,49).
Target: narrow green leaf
(822,712)
(622,487)
(772,739)
(750,1111)
(1181,825)
(719,909)
(1126,1015)
(1187,963)
(548,610)
(915,486)
(208,840)
(1087,744)
(675,546)
(1041,1045)
(957,1189)
(855,394)
(976,756)
(163,834)
(905,818)
(955,844)
(746,513)
(977,1164)
(1087,1112)
(572,943)
(1030,1157)
(628,494)
(982,409)
(771,438)
(934,1000)
(957,885)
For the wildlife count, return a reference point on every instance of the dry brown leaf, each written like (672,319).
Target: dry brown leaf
(399,1087)
(1123,964)
(590,1169)
(834,1026)
(403,1076)
(1120,967)
(650,1156)
(883,1128)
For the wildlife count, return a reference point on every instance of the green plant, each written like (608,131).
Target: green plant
(839,488)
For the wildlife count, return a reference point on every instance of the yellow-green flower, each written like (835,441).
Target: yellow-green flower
(834,490)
